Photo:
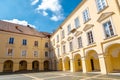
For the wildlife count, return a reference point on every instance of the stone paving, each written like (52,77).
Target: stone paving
(59,76)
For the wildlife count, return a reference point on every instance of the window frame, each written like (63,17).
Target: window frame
(77,22)
(80,43)
(89,36)
(11,40)
(9,53)
(24,42)
(25,54)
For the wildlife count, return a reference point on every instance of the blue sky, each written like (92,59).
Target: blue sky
(44,15)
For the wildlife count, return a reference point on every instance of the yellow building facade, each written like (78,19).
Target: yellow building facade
(89,38)
(23,48)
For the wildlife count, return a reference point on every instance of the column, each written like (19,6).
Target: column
(41,67)
(102,64)
(1,67)
(29,66)
(84,67)
(63,65)
(72,65)
(15,66)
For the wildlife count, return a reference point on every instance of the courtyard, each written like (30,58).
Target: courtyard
(59,75)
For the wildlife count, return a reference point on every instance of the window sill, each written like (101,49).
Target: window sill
(110,37)
(102,10)
(87,21)
(91,44)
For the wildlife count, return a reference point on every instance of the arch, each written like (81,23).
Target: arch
(60,66)
(92,61)
(46,65)
(112,58)
(35,65)
(8,66)
(67,63)
(23,65)
(77,62)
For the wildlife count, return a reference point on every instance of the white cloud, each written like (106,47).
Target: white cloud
(16,21)
(53,6)
(34,2)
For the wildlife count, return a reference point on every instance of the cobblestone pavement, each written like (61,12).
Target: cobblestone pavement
(59,76)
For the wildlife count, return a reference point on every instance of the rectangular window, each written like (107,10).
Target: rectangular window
(108,28)
(10,52)
(36,43)
(77,22)
(69,28)
(24,42)
(71,46)
(63,34)
(46,54)
(64,49)
(90,37)
(46,45)
(101,4)
(35,53)
(24,52)
(57,38)
(86,16)
(79,42)
(11,40)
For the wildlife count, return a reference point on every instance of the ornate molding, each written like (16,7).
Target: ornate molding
(88,26)
(69,38)
(78,33)
(104,16)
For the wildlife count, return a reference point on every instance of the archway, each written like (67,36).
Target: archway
(23,65)
(78,62)
(113,58)
(46,65)
(67,63)
(35,65)
(92,61)
(60,65)
(8,66)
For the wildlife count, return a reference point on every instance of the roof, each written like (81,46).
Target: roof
(20,29)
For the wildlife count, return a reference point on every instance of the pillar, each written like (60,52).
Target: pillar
(41,67)
(29,66)
(1,67)
(84,67)
(72,65)
(15,66)
(102,64)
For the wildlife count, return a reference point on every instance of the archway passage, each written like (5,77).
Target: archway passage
(60,66)
(92,61)
(23,65)
(46,65)
(35,65)
(8,66)
(113,58)
(67,63)
(78,62)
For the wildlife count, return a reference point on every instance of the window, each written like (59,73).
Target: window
(58,51)
(10,52)
(46,45)
(64,49)
(77,23)
(46,54)
(35,53)
(79,42)
(101,4)
(108,28)
(86,16)
(71,46)
(57,38)
(24,52)
(90,37)
(11,40)
(63,34)
(24,42)
(36,43)
(53,42)
(69,28)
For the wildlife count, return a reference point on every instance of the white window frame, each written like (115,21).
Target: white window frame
(77,22)
(25,54)
(35,53)
(69,28)
(11,53)
(71,46)
(86,15)
(63,34)
(90,42)
(80,46)
(58,38)
(100,5)
(64,48)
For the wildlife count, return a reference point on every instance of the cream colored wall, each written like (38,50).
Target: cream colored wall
(98,30)
(18,47)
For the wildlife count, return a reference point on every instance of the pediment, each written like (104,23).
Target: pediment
(104,16)
(63,42)
(87,26)
(78,33)
(70,38)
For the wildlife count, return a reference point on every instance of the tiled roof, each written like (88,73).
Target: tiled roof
(20,29)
